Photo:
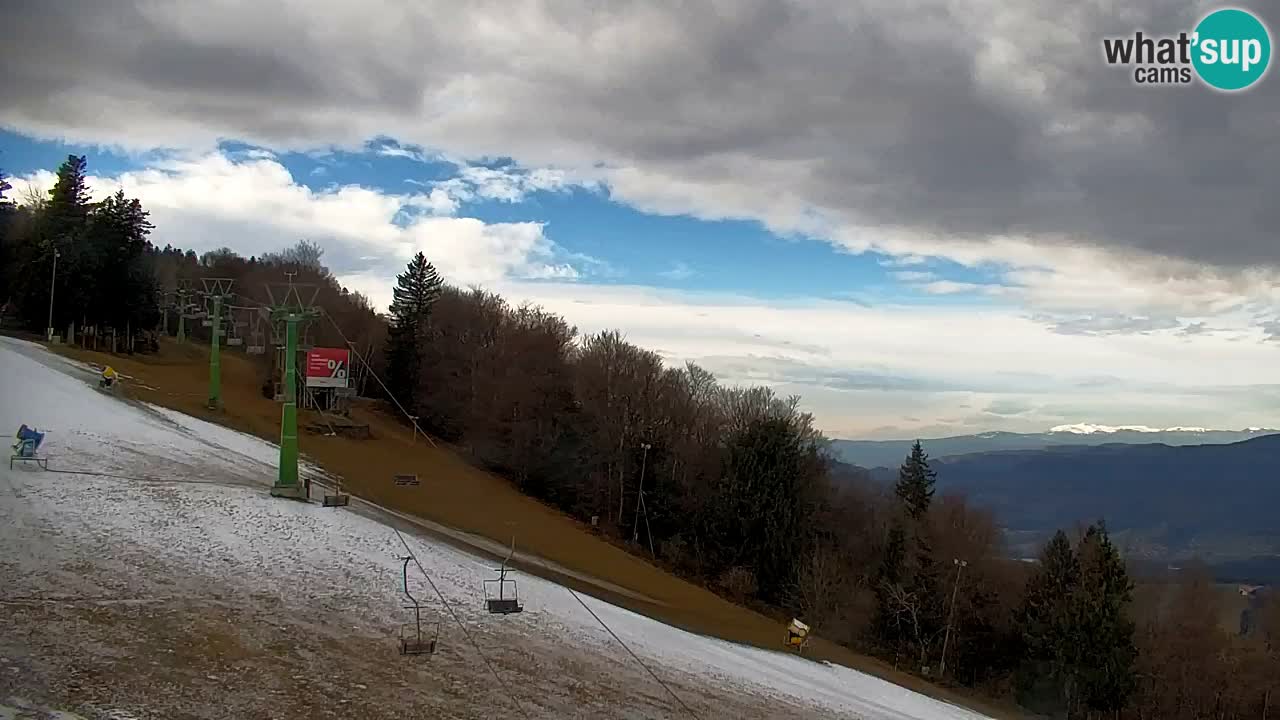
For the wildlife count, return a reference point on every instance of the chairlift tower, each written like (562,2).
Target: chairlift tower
(289,312)
(216,290)
(185,293)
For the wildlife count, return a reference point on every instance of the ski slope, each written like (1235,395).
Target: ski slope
(170,584)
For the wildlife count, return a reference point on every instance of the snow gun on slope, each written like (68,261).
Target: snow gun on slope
(27,447)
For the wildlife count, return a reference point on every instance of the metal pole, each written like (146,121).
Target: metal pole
(215,359)
(960,566)
(53,282)
(287,479)
(644,461)
(182,318)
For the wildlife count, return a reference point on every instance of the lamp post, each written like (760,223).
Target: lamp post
(960,566)
(644,461)
(52,282)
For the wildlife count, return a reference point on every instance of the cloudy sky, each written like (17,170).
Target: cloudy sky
(926,217)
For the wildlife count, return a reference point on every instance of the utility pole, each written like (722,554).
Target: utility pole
(53,281)
(960,566)
(644,461)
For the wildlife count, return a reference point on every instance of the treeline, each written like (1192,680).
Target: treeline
(734,487)
(98,251)
(111,284)
(731,487)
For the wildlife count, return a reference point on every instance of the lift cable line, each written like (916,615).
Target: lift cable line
(385,389)
(465,631)
(575,595)
(632,653)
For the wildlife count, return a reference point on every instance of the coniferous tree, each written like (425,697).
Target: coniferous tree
(1106,655)
(416,291)
(908,602)
(7,210)
(1048,621)
(124,288)
(915,482)
(59,229)
(886,624)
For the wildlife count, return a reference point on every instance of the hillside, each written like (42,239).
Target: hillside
(889,453)
(456,494)
(150,537)
(1215,501)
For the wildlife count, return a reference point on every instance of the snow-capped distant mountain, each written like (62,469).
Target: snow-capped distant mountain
(1090,428)
(890,453)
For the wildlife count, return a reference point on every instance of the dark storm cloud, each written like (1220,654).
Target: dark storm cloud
(955,119)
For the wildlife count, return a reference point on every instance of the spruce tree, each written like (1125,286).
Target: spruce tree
(124,288)
(1107,653)
(915,482)
(417,289)
(1048,622)
(59,228)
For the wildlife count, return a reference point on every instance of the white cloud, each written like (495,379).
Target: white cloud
(437,201)
(913,276)
(864,369)
(678,271)
(506,184)
(403,152)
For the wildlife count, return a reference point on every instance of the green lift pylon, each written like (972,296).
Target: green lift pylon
(287,479)
(287,485)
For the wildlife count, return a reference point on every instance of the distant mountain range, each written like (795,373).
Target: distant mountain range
(890,453)
(1219,502)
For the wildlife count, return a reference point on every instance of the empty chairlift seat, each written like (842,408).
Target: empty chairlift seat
(501,596)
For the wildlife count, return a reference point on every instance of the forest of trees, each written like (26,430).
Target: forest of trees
(731,487)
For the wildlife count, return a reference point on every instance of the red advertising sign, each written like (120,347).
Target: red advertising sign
(327,367)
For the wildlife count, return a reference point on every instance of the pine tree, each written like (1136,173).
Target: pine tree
(7,211)
(69,201)
(1107,653)
(59,228)
(915,482)
(1048,620)
(417,289)
(124,285)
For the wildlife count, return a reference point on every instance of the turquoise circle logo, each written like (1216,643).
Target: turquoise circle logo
(1232,49)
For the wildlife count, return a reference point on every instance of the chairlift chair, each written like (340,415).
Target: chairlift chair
(414,640)
(27,447)
(501,602)
(337,499)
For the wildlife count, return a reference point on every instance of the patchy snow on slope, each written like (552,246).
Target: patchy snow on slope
(184,542)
